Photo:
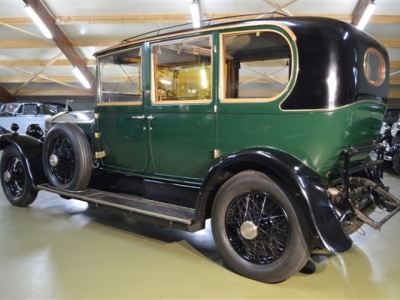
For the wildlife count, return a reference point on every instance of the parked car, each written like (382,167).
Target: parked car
(390,138)
(25,114)
(265,126)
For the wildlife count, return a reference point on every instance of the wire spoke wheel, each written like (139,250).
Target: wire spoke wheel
(15,177)
(67,157)
(15,181)
(62,159)
(257,227)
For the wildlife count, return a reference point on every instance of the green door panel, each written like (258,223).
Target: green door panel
(124,137)
(182,140)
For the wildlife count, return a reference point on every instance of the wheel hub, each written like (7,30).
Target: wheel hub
(7,176)
(53,160)
(249,230)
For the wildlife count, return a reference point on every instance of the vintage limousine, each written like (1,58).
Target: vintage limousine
(263,125)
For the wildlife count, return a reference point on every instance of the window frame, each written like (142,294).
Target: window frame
(381,70)
(222,59)
(140,80)
(153,72)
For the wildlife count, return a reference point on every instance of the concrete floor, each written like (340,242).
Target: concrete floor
(60,249)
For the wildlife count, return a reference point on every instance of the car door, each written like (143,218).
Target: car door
(121,135)
(182,125)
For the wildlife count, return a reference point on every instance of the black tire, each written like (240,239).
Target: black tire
(15,181)
(67,158)
(257,230)
(396,162)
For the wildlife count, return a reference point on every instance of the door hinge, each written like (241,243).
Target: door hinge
(100,154)
(96,116)
(215,108)
(217,153)
(97,135)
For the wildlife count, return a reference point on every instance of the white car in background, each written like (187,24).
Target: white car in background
(25,114)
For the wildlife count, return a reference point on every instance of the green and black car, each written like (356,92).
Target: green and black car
(265,126)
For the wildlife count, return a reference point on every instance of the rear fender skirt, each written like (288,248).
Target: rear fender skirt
(304,183)
(31,153)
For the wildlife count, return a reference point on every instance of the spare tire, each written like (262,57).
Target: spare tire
(67,158)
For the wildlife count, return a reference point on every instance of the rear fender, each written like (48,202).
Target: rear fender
(31,154)
(304,184)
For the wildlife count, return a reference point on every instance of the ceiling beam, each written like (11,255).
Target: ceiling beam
(22,79)
(395,64)
(394,94)
(55,92)
(49,63)
(41,63)
(176,18)
(62,41)
(18,44)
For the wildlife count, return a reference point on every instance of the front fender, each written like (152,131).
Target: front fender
(31,154)
(304,183)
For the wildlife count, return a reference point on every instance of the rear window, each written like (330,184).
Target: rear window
(374,67)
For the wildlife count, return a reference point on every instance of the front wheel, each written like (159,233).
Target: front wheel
(257,230)
(15,181)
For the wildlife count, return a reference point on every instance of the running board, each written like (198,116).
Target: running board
(161,213)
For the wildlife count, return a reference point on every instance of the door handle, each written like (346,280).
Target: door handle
(142,117)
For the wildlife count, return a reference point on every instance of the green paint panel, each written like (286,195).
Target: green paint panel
(182,143)
(123,138)
(315,137)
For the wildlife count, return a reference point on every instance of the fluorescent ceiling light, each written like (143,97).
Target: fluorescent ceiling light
(39,23)
(81,78)
(367,15)
(195,11)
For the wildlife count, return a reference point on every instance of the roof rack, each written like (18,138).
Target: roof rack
(204,23)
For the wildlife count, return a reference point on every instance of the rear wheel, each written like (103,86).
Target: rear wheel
(257,230)
(16,184)
(67,159)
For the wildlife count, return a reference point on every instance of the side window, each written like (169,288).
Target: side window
(30,109)
(120,77)
(182,70)
(256,66)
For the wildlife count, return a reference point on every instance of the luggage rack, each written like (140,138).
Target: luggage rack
(204,23)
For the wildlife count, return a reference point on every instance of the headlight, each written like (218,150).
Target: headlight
(395,128)
(384,127)
(386,145)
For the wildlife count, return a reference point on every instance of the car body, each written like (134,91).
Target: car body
(25,114)
(265,126)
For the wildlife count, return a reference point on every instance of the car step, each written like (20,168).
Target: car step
(135,206)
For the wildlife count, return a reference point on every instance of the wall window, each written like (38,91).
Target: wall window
(120,77)
(182,70)
(256,66)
